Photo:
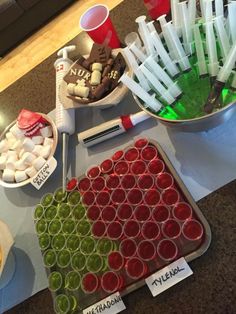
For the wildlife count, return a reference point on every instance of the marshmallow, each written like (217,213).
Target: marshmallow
(16,131)
(70,88)
(46,131)
(11,143)
(37,150)
(12,153)
(20,176)
(20,165)
(17,145)
(10,136)
(28,145)
(28,158)
(39,162)
(48,141)
(96,74)
(8,175)
(38,139)
(3,160)
(11,162)
(31,171)
(81,91)
(3,146)
(46,150)
(21,152)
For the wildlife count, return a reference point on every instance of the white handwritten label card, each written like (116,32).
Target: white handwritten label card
(111,305)
(44,173)
(168,276)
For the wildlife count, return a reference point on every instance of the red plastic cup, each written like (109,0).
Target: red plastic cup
(134,196)
(98,184)
(171,229)
(118,196)
(98,25)
(148,153)
(88,198)
(93,172)
(128,181)
(111,282)
(142,213)
(108,213)
(84,184)
(146,250)
(131,229)
(150,230)
(112,181)
(164,181)
(192,230)
(124,211)
(128,247)
(102,198)
(121,167)
(106,166)
(160,213)
(135,268)
(170,196)
(114,230)
(116,261)
(167,250)
(131,154)
(156,166)
(157,8)
(182,211)
(138,167)
(118,155)
(140,142)
(152,197)
(98,229)
(93,212)
(72,184)
(145,182)
(90,283)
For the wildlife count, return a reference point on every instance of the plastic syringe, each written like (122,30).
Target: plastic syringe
(201,62)
(186,27)
(213,64)
(111,128)
(65,118)
(222,35)
(232,20)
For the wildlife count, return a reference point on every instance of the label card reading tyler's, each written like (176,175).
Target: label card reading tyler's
(110,305)
(44,173)
(168,276)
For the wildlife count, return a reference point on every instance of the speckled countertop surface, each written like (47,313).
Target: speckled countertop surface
(212,288)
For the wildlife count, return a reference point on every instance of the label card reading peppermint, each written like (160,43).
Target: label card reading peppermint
(44,173)
(168,276)
(110,305)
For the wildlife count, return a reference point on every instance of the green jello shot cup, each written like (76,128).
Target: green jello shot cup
(58,242)
(72,280)
(55,281)
(47,199)
(104,246)
(74,198)
(64,210)
(38,212)
(63,258)
(68,226)
(83,228)
(73,243)
(94,263)
(78,261)
(54,227)
(87,245)
(50,212)
(78,212)
(49,258)
(41,226)
(62,304)
(44,241)
(60,195)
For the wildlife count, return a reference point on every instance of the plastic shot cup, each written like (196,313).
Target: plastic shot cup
(93,172)
(171,229)
(87,245)
(78,212)
(98,229)
(74,198)
(142,213)
(135,268)
(41,226)
(152,197)
(138,167)
(111,282)
(72,184)
(73,243)
(114,230)
(121,168)
(60,195)
(148,153)
(78,261)
(103,198)
(107,166)
(38,212)
(134,196)
(170,196)
(54,227)
(55,281)
(83,228)
(155,166)
(131,228)
(63,211)
(98,184)
(118,196)
(160,213)
(47,199)
(192,231)
(128,181)
(146,250)
(118,155)
(49,258)
(88,198)
(94,263)
(93,212)
(68,226)
(124,211)
(84,184)
(182,211)
(63,258)
(167,250)
(150,230)
(116,261)
(50,212)
(104,246)
(58,242)
(164,181)
(72,280)
(108,213)
(44,241)
(128,248)
(140,142)
(131,154)
(145,182)
(90,283)
(112,181)
(62,304)
(98,25)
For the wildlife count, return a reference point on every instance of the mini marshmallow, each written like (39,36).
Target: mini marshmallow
(8,175)
(11,162)
(10,136)
(46,150)
(81,91)
(70,88)
(17,145)
(20,165)
(12,153)
(31,171)
(38,139)
(3,160)
(11,143)
(20,176)
(46,131)
(48,141)
(28,145)
(37,150)
(28,158)
(16,131)
(21,152)
(3,146)
(39,162)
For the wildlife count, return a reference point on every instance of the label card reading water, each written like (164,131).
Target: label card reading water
(168,276)
(110,305)
(44,173)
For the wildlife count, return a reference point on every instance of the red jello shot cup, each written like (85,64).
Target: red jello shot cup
(170,196)
(135,268)
(145,182)
(118,196)
(160,213)
(164,181)
(151,230)
(93,172)
(111,282)
(103,198)
(90,283)
(128,248)
(152,197)
(171,229)
(112,181)
(134,196)
(182,211)
(116,260)
(88,198)
(131,228)
(98,184)
(131,154)
(98,229)
(149,153)
(167,250)
(84,184)
(142,213)
(107,166)
(155,166)
(138,167)
(192,230)
(93,212)
(146,250)
(124,211)
(117,155)
(114,230)
(108,213)
(121,168)
(140,142)
(128,181)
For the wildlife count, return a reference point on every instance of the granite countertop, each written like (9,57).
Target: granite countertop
(212,287)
